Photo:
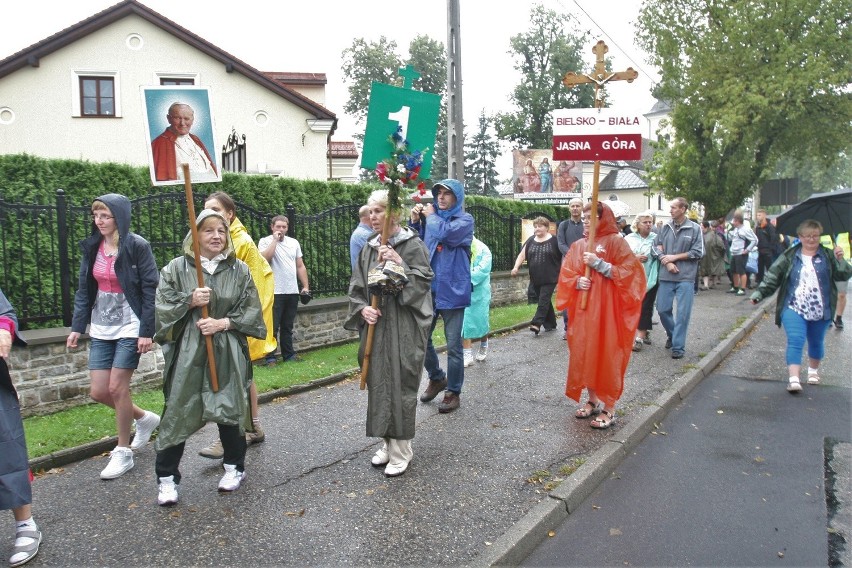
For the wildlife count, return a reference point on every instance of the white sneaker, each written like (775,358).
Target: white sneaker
(145,426)
(381,457)
(468,360)
(168,494)
(483,352)
(120,462)
(232,478)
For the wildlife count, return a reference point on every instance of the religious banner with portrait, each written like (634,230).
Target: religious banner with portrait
(537,177)
(179,130)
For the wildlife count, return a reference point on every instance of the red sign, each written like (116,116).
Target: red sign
(597,147)
(596,134)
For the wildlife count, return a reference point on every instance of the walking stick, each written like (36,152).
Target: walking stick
(374,303)
(190,206)
(593,225)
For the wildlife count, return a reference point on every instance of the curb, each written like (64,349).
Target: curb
(104,445)
(517,543)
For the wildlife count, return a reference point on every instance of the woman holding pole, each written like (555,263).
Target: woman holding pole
(399,273)
(230,297)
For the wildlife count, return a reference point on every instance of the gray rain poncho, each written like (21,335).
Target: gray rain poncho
(399,342)
(189,400)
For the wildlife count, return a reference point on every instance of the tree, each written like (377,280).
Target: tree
(549,49)
(483,149)
(749,82)
(364,63)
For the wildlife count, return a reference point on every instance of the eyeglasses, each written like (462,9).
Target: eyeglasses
(101,217)
(812,237)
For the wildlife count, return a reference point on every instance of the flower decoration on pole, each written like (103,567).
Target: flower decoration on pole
(401,170)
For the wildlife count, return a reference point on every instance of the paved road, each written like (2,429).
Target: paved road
(734,476)
(312,498)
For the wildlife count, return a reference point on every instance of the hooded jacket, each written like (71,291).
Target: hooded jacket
(448,235)
(135,269)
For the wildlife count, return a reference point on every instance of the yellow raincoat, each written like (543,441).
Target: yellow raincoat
(261,273)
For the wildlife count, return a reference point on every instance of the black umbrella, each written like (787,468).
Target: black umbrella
(832,209)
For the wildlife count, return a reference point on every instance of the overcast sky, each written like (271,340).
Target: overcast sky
(272,35)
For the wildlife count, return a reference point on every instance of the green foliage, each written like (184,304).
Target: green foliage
(551,47)
(480,170)
(749,82)
(326,215)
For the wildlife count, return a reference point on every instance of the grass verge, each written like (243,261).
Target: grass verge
(91,422)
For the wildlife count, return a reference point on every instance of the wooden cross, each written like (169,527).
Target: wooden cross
(600,77)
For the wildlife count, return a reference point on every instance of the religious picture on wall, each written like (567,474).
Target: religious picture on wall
(534,171)
(179,130)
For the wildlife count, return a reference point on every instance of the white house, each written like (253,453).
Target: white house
(76,95)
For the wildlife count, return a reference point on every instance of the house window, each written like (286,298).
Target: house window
(97,96)
(175,81)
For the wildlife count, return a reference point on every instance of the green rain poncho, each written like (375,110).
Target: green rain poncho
(189,399)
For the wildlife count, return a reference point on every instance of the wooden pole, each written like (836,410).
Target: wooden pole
(190,206)
(593,225)
(374,303)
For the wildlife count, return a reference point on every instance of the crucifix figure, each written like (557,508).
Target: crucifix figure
(600,76)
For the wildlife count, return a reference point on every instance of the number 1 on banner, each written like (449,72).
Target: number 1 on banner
(401,118)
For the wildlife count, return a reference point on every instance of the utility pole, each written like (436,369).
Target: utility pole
(455,116)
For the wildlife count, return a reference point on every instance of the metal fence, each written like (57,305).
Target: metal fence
(40,256)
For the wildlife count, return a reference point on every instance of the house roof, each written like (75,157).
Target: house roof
(31,55)
(660,107)
(343,149)
(622,179)
(287,78)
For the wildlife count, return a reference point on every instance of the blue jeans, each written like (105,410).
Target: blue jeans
(453,320)
(797,329)
(675,325)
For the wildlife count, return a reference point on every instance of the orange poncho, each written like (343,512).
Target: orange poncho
(600,338)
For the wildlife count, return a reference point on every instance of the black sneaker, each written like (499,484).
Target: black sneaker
(434,388)
(838,322)
(669,342)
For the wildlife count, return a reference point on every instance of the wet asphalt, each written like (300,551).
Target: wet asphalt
(477,491)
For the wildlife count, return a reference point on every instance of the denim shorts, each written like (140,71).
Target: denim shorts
(113,353)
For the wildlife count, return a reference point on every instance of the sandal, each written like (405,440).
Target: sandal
(813,378)
(604,421)
(23,553)
(586,412)
(794,386)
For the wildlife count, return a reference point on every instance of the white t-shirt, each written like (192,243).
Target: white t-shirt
(283,262)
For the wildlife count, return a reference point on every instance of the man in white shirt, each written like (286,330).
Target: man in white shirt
(284,255)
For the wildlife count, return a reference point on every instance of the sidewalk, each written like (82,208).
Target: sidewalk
(741,473)
(312,498)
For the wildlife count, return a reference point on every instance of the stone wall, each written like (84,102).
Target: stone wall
(50,377)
